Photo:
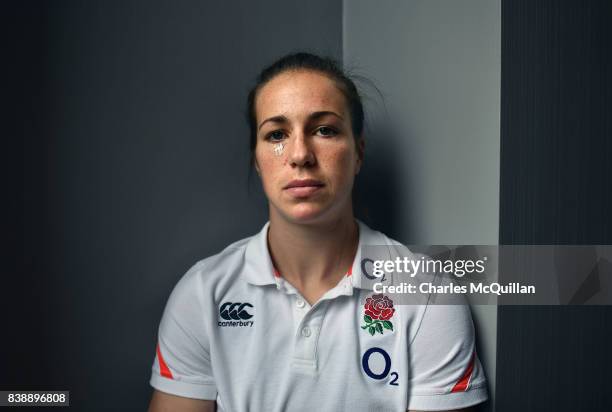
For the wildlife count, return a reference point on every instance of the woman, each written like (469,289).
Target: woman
(276,321)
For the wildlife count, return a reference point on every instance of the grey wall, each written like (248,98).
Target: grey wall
(132,164)
(438,65)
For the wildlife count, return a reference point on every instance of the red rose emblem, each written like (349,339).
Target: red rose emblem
(378,309)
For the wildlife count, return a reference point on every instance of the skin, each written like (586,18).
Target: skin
(313,237)
(164,402)
(315,146)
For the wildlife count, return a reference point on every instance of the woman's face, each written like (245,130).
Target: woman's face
(305,153)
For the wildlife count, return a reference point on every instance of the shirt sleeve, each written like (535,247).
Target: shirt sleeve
(182,364)
(445,372)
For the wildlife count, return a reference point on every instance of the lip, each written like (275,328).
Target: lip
(303,183)
(303,188)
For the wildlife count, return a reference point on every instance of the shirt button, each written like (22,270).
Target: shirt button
(300,303)
(306,331)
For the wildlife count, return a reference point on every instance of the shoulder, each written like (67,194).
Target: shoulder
(422,309)
(213,273)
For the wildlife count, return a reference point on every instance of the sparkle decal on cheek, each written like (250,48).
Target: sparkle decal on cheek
(278,148)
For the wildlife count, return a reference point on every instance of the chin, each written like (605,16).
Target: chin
(306,213)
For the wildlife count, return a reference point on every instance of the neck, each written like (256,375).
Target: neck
(313,257)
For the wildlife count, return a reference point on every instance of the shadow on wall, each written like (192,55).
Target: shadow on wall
(375,194)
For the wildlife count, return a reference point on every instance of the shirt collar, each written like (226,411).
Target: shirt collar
(259,269)
(258,264)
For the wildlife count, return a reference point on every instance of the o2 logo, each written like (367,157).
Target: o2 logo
(365,272)
(365,364)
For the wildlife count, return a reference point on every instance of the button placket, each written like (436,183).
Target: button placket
(300,309)
(308,323)
(307,338)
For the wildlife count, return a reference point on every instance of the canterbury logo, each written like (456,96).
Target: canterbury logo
(235,311)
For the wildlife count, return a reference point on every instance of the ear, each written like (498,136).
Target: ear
(360,146)
(257,167)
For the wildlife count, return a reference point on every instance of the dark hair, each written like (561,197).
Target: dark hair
(307,61)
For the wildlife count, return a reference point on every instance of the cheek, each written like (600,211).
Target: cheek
(339,162)
(269,164)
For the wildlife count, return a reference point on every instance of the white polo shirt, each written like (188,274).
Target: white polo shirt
(235,331)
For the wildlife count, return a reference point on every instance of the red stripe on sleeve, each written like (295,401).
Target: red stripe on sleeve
(163,368)
(350,271)
(462,384)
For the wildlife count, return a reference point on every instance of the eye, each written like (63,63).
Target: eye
(275,136)
(326,131)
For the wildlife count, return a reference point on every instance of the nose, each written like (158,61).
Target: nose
(300,152)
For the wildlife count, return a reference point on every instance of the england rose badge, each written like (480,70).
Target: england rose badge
(378,309)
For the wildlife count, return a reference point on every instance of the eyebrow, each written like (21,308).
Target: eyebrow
(312,116)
